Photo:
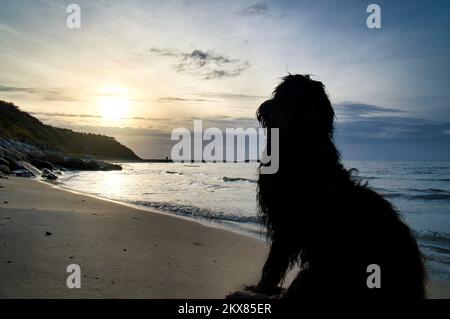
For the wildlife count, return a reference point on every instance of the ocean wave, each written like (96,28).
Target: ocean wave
(429,196)
(433,179)
(427,190)
(238,179)
(421,172)
(419,196)
(434,245)
(368,177)
(393,195)
(438,258)
(443,238)
(196,212)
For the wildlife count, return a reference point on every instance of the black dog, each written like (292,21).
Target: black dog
(321,217)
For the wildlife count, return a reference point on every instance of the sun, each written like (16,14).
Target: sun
(114,102)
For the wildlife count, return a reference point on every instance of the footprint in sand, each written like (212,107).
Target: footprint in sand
(5,221)
(196,243)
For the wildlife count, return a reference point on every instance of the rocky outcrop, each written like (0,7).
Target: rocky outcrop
(13,152)
(23,138)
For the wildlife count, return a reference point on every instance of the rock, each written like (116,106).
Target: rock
(73,163)
(4,162)
(89,165)
(4,169)
(53,157)
(48,233)
(110,167)
(15,165)
(48,174)
(12,152)
(23,173)
(41,164)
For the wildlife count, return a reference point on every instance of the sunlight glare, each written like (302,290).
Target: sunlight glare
(114,102)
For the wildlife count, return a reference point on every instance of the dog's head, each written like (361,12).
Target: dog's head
(308,158)
(299,105)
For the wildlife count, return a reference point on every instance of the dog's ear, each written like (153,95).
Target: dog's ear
(266,112)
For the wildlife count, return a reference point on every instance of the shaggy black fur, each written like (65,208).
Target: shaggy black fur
(320,216)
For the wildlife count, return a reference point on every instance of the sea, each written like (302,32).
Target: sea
(224,195)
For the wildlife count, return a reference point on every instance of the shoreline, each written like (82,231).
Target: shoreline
(123,251)
(212,223)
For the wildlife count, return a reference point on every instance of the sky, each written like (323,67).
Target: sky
(136,70)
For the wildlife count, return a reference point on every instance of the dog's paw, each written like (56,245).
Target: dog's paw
(273,291)
(245,295)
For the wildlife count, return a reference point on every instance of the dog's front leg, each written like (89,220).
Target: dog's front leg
(274,269)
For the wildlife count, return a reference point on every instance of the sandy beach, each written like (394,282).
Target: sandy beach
(123,252)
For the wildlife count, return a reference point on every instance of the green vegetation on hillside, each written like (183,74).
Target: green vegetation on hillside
(21,126)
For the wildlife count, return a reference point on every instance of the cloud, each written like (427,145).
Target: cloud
(393,138)
(74,115)
(354,111)
(57,114)
(393,130)
(213,97)
(46,94)
(168,99)
(372,124)
(205,64)
(13,89)
(259,8)
(369,124)
(232,96)
(371,134)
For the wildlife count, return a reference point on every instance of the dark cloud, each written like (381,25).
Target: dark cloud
(359,122)
(205,64)
(393,138)
(387,129)
(371,132)
(259,8)
(13,89)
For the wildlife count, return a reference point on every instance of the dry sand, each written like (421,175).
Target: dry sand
(123,252)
